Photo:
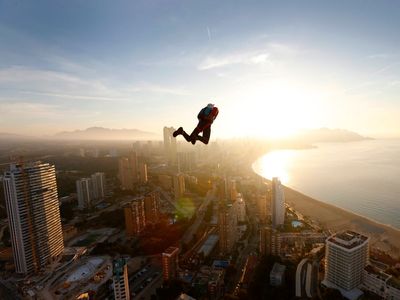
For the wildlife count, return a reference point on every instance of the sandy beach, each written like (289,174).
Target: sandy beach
(383,237)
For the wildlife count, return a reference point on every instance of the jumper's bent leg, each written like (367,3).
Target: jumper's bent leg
(206,136)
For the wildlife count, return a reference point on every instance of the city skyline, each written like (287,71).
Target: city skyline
(279,67)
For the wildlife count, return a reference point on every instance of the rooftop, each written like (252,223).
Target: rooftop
(381,275)
(348,239)
(278,269)
(170,251)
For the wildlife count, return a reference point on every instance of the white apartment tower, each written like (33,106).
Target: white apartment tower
(277,203)
(84,193)
(346,255)
(120,280)
(33,215)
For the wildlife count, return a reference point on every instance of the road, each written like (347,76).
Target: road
(251,246)
(187,237)
(144,282)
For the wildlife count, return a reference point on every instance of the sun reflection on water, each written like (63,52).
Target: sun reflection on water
(276,164)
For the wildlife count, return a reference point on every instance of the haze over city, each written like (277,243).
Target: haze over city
(199,150)
(273,68)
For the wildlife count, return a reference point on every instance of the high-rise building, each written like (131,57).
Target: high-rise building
(227,225)
(33,215)
(241,208)
(269,241)
(143,173)
(135,219)
(120,279)
(128,171)
(278,203)
(186,161)
(179,186)
(84,193)
(152,208)
(170,263)
(98,185)
(170,145)
(262,208)
(232,190)
(346,255)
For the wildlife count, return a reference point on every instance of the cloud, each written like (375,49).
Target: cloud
(261,56)
(23,109)
(252,57)
(24,81)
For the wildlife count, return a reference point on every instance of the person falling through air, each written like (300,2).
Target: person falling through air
(206,117)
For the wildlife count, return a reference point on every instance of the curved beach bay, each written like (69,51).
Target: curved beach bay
(357,184)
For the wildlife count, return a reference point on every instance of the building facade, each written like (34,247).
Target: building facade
(135,218)
(98,185)
(179,186)
(152,208)
(170,263)
(170,148)
(277,203)
(84,193)
(33,215)
(346,255)
(120,280)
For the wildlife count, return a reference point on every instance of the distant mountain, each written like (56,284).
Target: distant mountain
(101,133)
(323,135)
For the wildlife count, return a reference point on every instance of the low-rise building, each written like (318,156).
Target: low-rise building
(277,275)
(380,283)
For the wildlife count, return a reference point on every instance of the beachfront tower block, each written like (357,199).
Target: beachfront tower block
(277,203)
(346,255)
(33,215)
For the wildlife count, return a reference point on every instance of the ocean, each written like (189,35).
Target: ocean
(362,177)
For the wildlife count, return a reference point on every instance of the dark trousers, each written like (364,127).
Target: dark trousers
(195,134)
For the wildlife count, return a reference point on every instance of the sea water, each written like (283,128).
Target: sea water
(362,177)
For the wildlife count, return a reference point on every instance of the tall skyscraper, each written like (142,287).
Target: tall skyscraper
(151,207)
(120,280)
(170,263)
(278,203)
(33,215)
(84,193)
(179,186)
(135,218)
(170,145)
(98,185)
(346,255)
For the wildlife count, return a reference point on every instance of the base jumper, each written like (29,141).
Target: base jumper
(206,117)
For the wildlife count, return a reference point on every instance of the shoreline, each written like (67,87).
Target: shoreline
(382,236)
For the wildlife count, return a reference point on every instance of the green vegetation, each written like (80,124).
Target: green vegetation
(185,209)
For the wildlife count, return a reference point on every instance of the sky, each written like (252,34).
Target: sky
(272,67)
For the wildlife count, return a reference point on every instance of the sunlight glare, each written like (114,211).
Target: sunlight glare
(276,163)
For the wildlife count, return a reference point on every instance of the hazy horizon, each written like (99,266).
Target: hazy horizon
(271,68)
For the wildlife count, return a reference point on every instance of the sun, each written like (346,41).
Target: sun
(276,110)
